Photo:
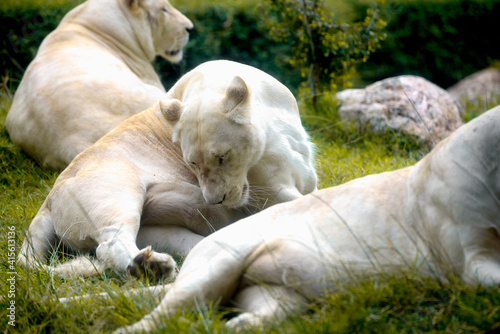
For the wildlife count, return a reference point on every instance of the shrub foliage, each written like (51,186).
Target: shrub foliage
(323,49)
(442,41)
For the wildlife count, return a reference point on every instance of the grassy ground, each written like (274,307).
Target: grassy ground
(404,304)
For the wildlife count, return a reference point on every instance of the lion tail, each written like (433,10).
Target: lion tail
(80,266)
(155,291)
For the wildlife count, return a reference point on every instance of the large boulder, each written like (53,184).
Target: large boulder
(407,103)
(482,86)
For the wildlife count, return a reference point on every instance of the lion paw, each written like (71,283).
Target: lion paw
(157,265)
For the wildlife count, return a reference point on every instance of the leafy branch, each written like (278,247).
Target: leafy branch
(325,51)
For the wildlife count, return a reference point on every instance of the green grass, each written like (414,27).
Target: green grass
(37,4)
(402,304)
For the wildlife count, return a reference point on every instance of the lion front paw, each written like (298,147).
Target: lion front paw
(157,265)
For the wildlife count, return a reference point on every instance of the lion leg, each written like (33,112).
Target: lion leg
(208,274)
(482,255)
(112,223)
(121,253)
(175,240)
(287,194)
(264,304)
(281,194)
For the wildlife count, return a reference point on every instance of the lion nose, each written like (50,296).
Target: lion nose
(214,198)
(189,25)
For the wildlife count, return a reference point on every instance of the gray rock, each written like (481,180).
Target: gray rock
(409,104)
(482,86)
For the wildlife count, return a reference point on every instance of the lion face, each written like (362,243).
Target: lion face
(218,141)
(169,27)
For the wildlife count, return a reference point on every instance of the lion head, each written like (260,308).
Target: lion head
(169,28)
(218,140)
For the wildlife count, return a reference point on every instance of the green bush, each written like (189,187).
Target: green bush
(222,31)
(234,33)
(443,41)
(325,50)
(24,25)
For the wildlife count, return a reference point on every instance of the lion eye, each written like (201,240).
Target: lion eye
(165,10)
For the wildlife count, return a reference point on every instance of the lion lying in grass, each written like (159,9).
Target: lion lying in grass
(92,72)
(225,141)
(440,217)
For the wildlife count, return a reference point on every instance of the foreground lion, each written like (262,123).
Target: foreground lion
(243,149)
(91,73)
(441,216)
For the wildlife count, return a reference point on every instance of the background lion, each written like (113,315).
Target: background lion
(92,72)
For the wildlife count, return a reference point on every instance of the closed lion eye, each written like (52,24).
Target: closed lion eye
(165,10)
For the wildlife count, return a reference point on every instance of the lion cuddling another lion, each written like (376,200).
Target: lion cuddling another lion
(226,141)
(440,217)
(92,72)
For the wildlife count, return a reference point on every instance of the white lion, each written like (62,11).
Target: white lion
(440,217)
(92,72)
(243,149)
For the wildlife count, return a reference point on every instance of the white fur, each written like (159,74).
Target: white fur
(92,72)
(440,217)
(132,188)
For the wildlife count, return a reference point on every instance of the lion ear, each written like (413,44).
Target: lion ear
(171,109)
(133,5)
(236,94)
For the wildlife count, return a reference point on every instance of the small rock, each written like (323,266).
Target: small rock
(482,86)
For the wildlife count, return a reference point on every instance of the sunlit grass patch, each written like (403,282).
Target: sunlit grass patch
(339,163)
